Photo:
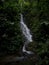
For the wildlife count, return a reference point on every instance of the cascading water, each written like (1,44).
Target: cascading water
(25,30)
(26,33)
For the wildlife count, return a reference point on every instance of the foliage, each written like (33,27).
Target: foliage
(36,16)
(10,38)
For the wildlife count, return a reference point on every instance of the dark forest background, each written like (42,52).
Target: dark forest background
(36,16)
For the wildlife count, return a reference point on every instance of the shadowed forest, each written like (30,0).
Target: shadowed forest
(36,17)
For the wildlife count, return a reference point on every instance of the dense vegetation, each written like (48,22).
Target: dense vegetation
(36,16)
(10,38)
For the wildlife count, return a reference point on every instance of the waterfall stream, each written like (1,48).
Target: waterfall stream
(26,32)
(27,35)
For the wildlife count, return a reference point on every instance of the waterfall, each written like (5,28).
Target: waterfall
(26,33)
